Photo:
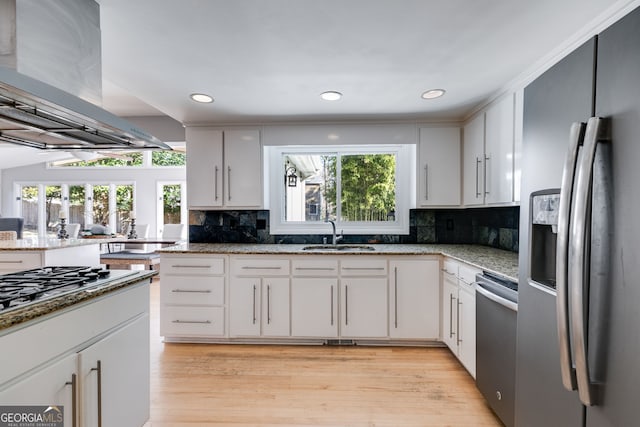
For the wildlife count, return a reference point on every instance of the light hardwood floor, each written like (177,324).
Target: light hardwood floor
(195,385)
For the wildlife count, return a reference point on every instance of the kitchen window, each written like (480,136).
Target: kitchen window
(365,189)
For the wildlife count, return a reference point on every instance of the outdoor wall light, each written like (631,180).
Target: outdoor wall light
(290,177)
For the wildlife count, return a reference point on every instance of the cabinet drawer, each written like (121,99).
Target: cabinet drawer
(194,290)
(467,276)
(259,267)
(363,267)
(192,321)
(315,267)
(12,262)
(192,265)
(450,267)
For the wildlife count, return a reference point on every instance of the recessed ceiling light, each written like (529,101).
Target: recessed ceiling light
(201,97)
(331,95)
(433,93)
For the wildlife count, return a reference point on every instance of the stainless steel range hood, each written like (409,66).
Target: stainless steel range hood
(51,80)
(35,114)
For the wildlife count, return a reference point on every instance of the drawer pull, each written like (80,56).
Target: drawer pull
(364,268)
(315,268)
(194,291)
(250,267)
(191,266)
(11,262)
(205,322)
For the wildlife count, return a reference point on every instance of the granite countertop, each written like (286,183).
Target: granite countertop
(41,244)
(22,314)
(498,261)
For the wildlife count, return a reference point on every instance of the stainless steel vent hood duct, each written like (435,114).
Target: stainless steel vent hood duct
(50,58)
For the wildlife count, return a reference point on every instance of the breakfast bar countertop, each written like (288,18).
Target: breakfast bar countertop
(495,260)
(41,244)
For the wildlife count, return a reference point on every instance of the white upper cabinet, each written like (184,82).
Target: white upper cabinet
(438,167)
(489,170)
(499,144)
(204,166)
(473,162)
(224,168)
(243,169)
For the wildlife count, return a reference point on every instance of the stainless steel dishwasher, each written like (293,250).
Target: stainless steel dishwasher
(496,318)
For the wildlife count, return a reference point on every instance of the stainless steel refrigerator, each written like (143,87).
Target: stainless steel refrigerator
(580,271)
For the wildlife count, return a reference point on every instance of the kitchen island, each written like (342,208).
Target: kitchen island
(86,350)
(24,254)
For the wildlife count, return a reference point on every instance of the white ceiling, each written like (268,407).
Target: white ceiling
(268,60)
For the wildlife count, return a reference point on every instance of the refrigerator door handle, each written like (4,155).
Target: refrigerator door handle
(578,258)
(576,137)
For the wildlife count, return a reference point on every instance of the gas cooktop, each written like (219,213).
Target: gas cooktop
(30,286)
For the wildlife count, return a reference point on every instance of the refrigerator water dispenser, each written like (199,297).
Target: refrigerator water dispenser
(544,223)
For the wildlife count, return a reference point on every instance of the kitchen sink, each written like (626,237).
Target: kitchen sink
(339,248)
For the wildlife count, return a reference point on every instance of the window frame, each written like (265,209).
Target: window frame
(405,187)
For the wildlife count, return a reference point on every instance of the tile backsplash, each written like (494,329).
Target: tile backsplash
(495,227)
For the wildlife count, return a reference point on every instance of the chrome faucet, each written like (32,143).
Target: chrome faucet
(335,238)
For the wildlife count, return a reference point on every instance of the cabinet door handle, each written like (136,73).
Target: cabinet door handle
(229,183)
(486,159)
(426,181)
(451,298)
(215,182)
(193,291)
(190,266)
(395,293)
(74,390)
(346,305)
(465,282)
(448,272)
(11,262)
(478,162)
(458,321)
(268,304)
(254,304)
(98,370)
(192,321)
(331,305)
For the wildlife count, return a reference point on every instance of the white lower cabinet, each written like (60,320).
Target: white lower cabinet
(259,307)
(414,298)
(382,298)
(314,307)
(259,297)
(93,361)
(192,296)
(52,385)
(363,297)
(364,307)
(110,371)
(459,312)
(467,329)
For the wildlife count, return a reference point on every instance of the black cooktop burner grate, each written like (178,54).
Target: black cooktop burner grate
(29,285)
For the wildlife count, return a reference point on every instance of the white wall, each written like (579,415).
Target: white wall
(145,180)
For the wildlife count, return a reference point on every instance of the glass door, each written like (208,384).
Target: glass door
(170,206)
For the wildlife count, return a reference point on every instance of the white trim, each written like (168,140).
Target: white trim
(160,204)
(405,190)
